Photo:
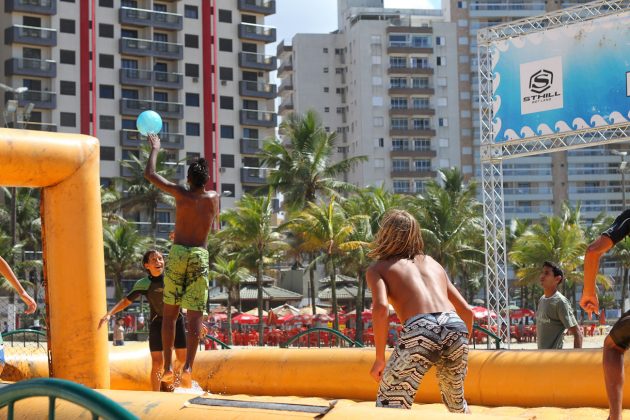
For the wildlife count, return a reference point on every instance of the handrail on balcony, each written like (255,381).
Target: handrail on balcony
(152,41)
(151,11)
(39,28)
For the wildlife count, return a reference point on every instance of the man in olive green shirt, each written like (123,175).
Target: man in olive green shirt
(554,313)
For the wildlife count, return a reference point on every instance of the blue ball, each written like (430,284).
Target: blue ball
(149,122)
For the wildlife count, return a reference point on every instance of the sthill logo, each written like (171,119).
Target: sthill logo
(541,81)
(541,85)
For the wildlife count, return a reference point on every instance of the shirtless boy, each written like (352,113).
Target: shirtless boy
(437,321)
(186,278)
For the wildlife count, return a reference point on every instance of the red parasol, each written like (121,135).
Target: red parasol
(245,319)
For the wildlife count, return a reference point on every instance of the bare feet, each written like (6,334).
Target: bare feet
(167,383)
(186,379)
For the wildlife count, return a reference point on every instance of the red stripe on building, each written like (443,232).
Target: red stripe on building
(84,65)
(209,74)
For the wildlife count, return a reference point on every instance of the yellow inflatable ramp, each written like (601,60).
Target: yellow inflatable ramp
(153,406)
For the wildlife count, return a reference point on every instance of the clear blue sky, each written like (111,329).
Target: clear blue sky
(320,16)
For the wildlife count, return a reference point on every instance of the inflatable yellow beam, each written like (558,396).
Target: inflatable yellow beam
(66,167)
(524,378)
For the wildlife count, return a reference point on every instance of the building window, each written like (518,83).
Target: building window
(191,41)
(227,131)
(443,122)
(193,129)
(66,26)
(105,30)
(326,109)
(67,119)
(228,187)
(67,87)
(192,70)
(107,122)
(441,61)
(325,69)
(325,51)
(440,40)
(227,161)
(326,90)
(106,3)
(225,44)
(192,99)
(106,91)
(108,153)
(67,57)
(191,12)
(106,61)
(225,16)
(226,102)
(401,186)
(226,73)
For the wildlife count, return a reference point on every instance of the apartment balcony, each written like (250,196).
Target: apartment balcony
(256,176)
(134,107)
(285,106)
(42,7)
(286,85)
(411,153)
(283,48)
(178,172)
(260,33)
(257,89)
(144,17)
(263,7)
(30,67)
(411,111)
(147,48)
(258,118)
(41,99)
(159,79)
(408,90)
(39,126)
(408,48)
(286,66)
(250,146)
(257,61)
(412,132)
(32,35)
(413,173)
(514,9)
(411,70)
(406,28)
(132,138)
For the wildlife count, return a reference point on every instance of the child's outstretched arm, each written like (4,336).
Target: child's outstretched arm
(6,271)
(122,304)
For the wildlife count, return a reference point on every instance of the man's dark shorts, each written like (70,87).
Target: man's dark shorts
(155,334)
(620,227)
(620,332)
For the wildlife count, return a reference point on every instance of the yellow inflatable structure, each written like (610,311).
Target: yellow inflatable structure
(66,168)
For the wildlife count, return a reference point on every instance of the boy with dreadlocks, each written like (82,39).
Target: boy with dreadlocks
(436,319)
(186,278)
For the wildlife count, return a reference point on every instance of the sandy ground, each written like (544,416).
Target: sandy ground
(588,342)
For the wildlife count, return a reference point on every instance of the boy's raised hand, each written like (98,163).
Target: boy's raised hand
(154,141)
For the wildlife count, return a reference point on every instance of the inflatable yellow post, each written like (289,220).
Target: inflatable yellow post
(66,167)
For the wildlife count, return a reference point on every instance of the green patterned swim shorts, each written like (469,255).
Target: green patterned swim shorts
(186,278)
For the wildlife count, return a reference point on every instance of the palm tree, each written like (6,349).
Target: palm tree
(140,194)
(450,219)
(328,229)
(124,248)
(555,238)
(303,167)
(249,226)
(230,276)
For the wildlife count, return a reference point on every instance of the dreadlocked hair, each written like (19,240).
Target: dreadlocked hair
(198,172)
(398,237)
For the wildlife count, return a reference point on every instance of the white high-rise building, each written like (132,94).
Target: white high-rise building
(384,82)
(201,67)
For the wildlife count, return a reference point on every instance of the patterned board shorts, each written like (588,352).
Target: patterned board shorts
(186,278)
(439,339)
